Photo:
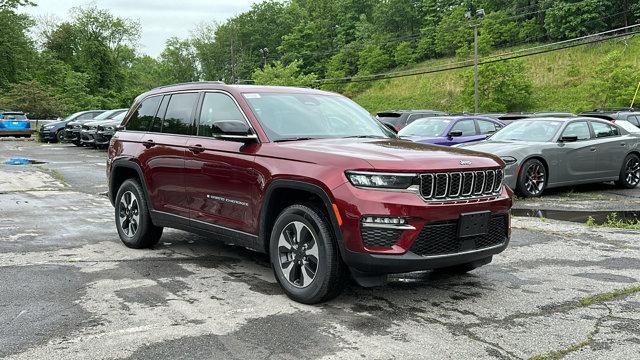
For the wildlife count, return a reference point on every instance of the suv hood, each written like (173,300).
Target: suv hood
(387,154)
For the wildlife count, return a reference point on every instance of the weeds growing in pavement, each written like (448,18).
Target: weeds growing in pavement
(598,298)
(614,222)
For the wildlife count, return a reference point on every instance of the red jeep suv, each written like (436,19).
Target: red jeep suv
(308,177)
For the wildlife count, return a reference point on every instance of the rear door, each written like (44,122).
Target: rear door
(222,180)
(165,151)
(612,148)
(577,159)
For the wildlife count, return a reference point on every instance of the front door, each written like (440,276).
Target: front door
(221,178)
(577,159)
(468,132)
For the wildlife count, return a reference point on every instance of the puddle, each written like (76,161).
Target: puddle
(22,161)
(576,216)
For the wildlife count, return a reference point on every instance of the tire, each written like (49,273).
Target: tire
(131,211)
(463,268)
(309,237)
(533,178)
(58,138)
(630,172)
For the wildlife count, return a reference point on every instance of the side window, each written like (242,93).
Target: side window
(604,130)
(141,118)
(156,124)
(178,118)
(487,127)
(467,127)
(634,119)
(579,129)
(218,107)
(87,116)
(414,117)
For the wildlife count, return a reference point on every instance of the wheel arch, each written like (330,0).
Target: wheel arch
(282,193)
(121,171)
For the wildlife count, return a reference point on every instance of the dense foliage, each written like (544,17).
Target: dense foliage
(90,58)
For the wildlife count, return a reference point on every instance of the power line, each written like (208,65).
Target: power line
(485,60)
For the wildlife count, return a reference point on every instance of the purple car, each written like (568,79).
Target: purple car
(450,130)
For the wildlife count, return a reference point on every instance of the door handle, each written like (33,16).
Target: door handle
(623,144)
(197,148)
(592,149)
(148,143)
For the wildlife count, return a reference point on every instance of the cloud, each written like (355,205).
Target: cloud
(159,19)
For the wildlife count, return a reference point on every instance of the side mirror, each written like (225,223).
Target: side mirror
(569,138)
(455,133)
(235,130)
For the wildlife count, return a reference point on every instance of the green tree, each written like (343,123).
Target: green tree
(614,82)
(33,98)
(403,55)
(566,19)
(279,74)
(502,86)
(178,62)
(17,48)
(372,59)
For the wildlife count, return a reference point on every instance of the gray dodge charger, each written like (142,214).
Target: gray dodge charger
(550,152)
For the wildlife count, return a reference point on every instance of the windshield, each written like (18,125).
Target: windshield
(529,130)
(287,116)
(426,127)
(108,115)
(7,116)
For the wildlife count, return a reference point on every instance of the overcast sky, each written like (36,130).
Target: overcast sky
(159,19)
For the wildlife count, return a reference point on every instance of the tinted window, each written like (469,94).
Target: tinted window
(604,130)
(141,118)
(156,125)
(579,129)
(390,118)
(87,116)
(178,119)
(487,127)
(217,107)
(414,117)
(467,127)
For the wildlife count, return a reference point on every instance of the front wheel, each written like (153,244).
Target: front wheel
(532,179)
(132,217)
(630,172)
(305,256)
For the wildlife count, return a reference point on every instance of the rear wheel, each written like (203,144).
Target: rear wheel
(630,172)
(304,255)
(58,137)
(532,179)
(132,217)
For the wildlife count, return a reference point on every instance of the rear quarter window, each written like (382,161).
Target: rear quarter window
(142,117)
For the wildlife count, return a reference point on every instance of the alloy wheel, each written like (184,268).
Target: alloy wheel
(129,214)
(298,254)
(535,178)
(632,171)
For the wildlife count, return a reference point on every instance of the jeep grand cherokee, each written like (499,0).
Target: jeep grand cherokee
(308,177)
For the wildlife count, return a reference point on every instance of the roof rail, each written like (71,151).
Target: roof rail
(192,82)
(614,109)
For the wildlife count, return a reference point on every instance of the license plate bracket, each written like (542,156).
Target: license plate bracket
(473,224)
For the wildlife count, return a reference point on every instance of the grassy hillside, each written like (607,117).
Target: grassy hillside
(562,81)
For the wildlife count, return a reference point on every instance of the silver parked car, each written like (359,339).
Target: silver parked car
(550,152)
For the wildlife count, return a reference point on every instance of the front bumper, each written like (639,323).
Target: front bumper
(511,175)
(72,135)
(26,132)
(87,136)
(103,137)
(354,203)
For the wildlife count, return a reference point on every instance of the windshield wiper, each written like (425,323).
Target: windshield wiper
(365,137)
(295,139)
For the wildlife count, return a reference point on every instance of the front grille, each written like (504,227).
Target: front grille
(380,237)
(460,185)
(442,238)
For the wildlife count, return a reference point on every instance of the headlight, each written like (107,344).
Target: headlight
(509,160)
(47,127)
(380,180)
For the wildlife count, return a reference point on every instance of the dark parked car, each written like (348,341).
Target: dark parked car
(397,119)
(106,129)
(13,123)
(613,115)
(54,132)
(89,129)
(511,117)
(550,152)
(308,177)
(450,130)
(73,130)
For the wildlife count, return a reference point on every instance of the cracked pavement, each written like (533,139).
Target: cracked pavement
(70,289)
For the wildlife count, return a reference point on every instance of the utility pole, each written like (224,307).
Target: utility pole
(470,15)
(264,53)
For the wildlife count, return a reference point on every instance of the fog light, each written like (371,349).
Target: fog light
(383,220)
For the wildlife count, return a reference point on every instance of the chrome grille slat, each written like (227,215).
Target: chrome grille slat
(468,185)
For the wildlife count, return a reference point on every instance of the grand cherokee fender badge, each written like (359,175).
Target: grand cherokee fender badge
(230,201)
(465,162)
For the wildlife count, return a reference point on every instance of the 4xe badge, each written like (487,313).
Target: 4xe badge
(465,162)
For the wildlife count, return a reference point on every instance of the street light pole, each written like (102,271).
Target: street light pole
(475,69)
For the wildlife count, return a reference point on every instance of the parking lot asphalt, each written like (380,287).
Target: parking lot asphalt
(70,289)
